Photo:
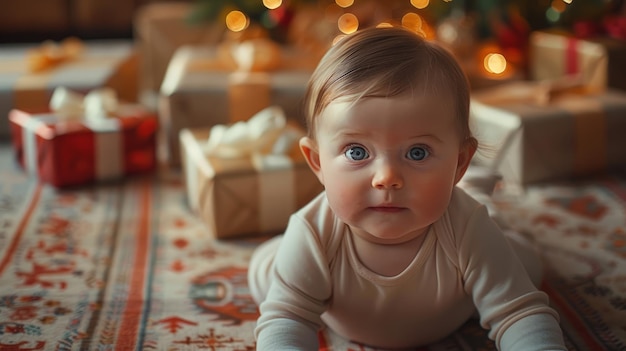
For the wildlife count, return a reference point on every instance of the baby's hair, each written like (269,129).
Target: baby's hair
(386,62)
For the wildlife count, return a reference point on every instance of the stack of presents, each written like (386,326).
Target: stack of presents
(227,113)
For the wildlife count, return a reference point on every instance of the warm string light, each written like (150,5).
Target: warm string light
(348,23)
(420,4)
(384,25)
(272,4)
(338,38)
(237,21)
(344,3)
(412,21)
(494,63)
(557,7)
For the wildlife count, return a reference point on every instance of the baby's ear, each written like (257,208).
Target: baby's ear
(310,151)
(466,152)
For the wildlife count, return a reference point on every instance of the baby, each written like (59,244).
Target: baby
(392,254)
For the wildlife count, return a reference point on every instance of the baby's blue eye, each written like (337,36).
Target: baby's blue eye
(417,153)
(356,153)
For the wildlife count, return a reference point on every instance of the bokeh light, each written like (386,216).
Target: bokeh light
(384,25)
(552,15)
(344,3)
(558,5)
(420,4)
(236,21)
(412,21)
(348,23)
(272,4)
(495,63)
(338,38)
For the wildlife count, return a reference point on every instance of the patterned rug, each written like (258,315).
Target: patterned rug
(127,266)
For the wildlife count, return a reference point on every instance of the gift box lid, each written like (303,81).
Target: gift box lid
(193,140)
(572,135)
(48,125)
(199,67)
(557,54)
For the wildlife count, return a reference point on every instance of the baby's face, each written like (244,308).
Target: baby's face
(389,165)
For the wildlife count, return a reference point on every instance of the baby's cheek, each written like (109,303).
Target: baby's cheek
(437,195)
(343,198)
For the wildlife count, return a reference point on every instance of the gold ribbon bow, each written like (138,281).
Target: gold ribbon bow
(51,54)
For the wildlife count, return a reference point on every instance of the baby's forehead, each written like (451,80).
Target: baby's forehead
(404,109)
(406,101)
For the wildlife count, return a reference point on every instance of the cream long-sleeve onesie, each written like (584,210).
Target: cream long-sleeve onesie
(465,264)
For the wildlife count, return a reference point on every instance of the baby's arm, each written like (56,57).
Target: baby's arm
(517,314)
(290,315)
(542,331)
(286,334)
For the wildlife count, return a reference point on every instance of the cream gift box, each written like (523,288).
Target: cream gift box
(571,135)
(91,145)
(555,55)
(160,28)
(100,64)
(598,61)
(249,193)
(201,89)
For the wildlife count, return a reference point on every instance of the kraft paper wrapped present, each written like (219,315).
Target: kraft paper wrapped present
(247,178)
(30,73)
(81,140)
(570,134)
(202,88)
(598,62)
(161,28)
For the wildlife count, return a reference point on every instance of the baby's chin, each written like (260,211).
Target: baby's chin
(388,237)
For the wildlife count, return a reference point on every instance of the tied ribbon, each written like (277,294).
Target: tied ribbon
(97,105)
(571,56)
(252,55)
(51,54)
(264,135)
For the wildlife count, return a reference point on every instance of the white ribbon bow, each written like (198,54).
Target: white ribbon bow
(98,104)
(265,133)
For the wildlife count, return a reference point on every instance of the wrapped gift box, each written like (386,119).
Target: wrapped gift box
(160,28)
(102,63)
(599,61)
(201,89)
(573,135)
(73,152)
(246,195)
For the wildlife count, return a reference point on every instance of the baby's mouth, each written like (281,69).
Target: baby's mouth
(387,208)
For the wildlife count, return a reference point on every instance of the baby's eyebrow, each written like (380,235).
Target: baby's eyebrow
(349,133)
(427,136)
(353,134)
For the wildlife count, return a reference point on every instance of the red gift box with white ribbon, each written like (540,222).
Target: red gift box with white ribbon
(73,143)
